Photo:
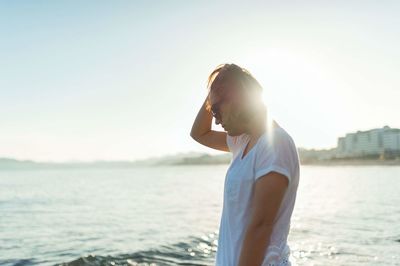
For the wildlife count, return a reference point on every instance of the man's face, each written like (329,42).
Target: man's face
(222,109)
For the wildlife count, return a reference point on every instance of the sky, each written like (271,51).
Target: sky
(124,80)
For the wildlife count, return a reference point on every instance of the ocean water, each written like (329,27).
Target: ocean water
(344,215)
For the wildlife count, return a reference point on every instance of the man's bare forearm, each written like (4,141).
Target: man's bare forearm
(202,123)
(254,245)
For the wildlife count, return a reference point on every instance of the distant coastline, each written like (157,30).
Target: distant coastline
(179,159)
(343,162)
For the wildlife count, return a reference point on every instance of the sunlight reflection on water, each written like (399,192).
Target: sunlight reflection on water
(169,215)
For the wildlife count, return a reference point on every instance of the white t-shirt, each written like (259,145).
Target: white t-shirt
(274,151)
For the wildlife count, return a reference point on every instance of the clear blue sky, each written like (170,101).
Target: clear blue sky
(111,80)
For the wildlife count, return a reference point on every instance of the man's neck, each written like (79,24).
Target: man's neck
(257,128)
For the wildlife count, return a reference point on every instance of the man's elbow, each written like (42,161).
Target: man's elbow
(196,136)
(193,136)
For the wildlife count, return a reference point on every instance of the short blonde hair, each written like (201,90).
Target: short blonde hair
(225,74)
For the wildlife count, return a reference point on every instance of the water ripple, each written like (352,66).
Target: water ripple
(197,251)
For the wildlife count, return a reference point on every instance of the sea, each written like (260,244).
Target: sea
(169,215)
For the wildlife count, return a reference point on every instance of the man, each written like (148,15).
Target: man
(262,179)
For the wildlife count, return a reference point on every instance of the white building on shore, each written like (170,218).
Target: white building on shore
(374,142)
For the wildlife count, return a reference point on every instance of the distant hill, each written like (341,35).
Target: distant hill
(6,163)
(177,159)
(12,163)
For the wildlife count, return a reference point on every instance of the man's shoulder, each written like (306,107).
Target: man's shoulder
(283,134)
(280,138)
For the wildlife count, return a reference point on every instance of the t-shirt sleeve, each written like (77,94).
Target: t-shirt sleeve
(234,143)
(275,156)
